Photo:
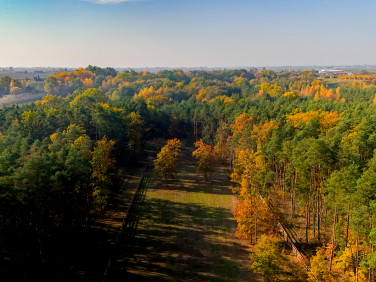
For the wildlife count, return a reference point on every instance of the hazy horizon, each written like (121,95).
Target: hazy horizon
(171,33)
(370,66)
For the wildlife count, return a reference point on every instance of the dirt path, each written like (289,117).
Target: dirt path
(186,232)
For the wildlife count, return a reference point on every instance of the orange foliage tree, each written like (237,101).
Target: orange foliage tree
(251,214)
(205,158)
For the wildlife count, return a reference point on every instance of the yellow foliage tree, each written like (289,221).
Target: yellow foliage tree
(50,100)
(290,95)
(201,95)
(224,99)
(271,89)
(319,268)
(320,91)
(261,133)
(89,97)
(166,161)
(241,131)
(329,120)
(72,132)
(247,164)
(152,96)
(222,148)
(326,119)
(205,158)
(346,261)
(267,258)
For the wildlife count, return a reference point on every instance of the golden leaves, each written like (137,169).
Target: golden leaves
(326,119)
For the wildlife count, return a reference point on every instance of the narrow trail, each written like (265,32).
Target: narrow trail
(186,232)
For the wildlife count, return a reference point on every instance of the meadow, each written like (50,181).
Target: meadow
(186,231)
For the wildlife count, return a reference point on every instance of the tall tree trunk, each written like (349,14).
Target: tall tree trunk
(314,217)
(357,258)
(333,239)
(325,213)
(370,251)
(256,219)
(307,222)
(371,270)
(347,228)
(318,216)
(292,203)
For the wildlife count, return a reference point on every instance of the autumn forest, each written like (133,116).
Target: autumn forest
(296,150)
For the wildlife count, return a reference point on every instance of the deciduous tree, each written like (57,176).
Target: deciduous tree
(166,161)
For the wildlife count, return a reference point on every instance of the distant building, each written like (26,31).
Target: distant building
(333,73)
(37,78)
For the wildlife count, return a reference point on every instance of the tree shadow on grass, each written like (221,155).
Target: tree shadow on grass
(181,242)
(188,180)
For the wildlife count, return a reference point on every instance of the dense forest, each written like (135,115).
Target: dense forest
(303,142)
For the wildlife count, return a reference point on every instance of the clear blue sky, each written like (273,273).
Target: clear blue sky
(178,33)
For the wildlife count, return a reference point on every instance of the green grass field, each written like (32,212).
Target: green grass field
(186,232)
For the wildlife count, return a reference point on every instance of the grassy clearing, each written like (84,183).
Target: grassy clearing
(186,232)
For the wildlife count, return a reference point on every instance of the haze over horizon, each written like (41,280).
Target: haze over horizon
(171,33)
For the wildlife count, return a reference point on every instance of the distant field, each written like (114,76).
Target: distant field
(20,99)
(186,232)
(331,82)
(29,73)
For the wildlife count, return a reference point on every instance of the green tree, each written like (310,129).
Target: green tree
(5,84)
(51,85)
(102,163)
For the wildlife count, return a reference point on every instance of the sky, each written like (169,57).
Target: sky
(186,33)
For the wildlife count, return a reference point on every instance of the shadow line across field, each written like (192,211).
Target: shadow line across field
(186,233)
(186,245)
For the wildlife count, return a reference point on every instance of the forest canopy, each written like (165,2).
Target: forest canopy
(285,133)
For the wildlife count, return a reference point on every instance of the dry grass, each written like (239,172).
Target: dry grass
(20,99)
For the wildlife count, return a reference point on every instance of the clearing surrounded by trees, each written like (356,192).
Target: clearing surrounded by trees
(186,231)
